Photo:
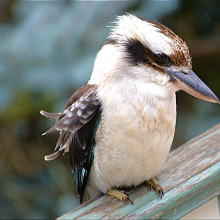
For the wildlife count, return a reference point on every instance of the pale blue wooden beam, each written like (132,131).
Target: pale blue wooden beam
(183,198)
(190,178)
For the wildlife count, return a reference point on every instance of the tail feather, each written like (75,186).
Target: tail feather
(49,131)
(52,156)
(51,115)
(62,140)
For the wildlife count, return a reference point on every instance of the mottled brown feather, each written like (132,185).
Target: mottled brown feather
(77,125)
(181,56)
(84,89)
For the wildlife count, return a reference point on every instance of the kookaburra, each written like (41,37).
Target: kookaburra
(118,128)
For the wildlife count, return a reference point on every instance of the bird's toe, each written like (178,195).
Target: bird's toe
(152,183)
(120,195)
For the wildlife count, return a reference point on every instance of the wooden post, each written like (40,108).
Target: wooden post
(190,178)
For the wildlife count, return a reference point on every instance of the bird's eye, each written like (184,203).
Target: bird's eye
(161,58)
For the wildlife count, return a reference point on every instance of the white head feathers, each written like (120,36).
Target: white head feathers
(129,26)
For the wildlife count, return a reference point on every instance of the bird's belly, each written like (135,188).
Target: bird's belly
(128,156)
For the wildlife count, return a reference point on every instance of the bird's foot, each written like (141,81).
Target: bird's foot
(120,194)
(152,183)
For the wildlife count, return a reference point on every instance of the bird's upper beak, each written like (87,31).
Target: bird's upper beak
(192,84)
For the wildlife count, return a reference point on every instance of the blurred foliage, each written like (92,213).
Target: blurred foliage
(47,51)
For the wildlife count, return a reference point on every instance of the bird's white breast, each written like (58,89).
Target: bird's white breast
(135,133)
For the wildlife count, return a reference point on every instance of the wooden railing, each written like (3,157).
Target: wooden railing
(190,178)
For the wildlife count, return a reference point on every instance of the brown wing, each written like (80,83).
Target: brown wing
(77,125)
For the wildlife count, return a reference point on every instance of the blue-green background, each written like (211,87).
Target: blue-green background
(47,50)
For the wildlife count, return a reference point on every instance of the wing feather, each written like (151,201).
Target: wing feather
(77,125)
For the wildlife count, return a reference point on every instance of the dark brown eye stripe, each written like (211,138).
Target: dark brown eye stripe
(137,53)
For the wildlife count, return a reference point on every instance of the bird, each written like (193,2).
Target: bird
(118,127)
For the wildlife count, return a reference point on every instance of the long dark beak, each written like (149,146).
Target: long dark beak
(192,84)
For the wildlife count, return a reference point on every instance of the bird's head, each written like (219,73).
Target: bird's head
(143,50)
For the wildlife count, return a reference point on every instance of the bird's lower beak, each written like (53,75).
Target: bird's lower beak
(192,84)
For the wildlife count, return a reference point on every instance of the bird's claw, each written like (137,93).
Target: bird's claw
(127,194)
(152,183)
(161,193)
(121,195)
(127,199)
(149,185)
